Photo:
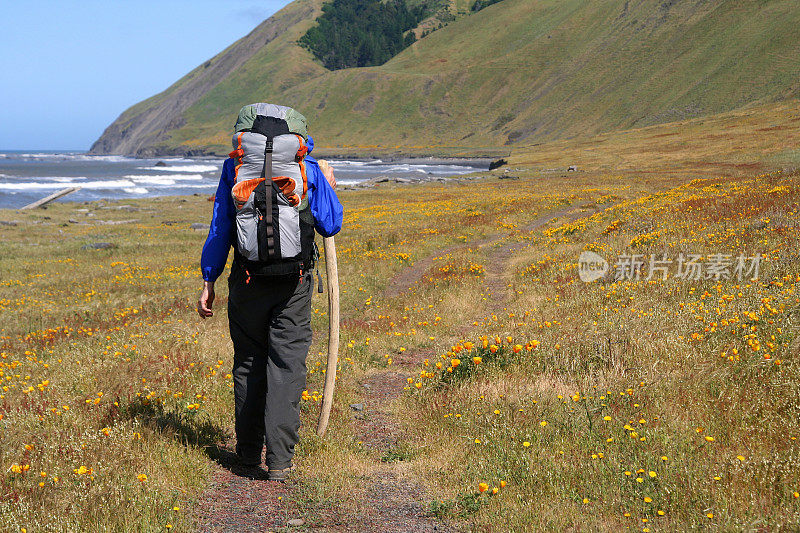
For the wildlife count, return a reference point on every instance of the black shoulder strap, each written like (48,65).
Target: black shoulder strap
(269,127)
(266,173)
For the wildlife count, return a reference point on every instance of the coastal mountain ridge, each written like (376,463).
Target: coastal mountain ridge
(514,73)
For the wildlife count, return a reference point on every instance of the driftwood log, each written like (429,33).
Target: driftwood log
(54,196)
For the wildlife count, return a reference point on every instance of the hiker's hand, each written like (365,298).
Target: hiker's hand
(206,300)
(327,170)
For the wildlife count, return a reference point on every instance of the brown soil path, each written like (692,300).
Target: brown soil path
(497,268)
(242,500)
(408,277)
(393,502)
(498,274)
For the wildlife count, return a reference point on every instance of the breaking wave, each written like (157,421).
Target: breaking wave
(105,184)
(186,168)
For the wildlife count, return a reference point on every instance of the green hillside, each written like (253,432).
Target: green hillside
(519,71)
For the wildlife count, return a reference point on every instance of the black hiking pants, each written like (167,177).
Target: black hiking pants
(270,324)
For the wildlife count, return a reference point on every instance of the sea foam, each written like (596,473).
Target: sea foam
(163,179)
(185,168)
(107,184)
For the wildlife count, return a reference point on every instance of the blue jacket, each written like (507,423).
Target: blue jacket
(322,199)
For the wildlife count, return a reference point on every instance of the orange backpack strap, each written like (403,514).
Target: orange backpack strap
(303,150)
(238,154)
(301,154)
(305,178)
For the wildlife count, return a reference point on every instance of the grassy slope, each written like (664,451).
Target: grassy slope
(144,122)
(275,69)
(523,71)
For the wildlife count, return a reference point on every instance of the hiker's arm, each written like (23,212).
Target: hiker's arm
(220,237)
(325,205)
(327,171)
(206,300)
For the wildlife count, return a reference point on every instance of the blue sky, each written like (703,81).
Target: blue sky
(70,67)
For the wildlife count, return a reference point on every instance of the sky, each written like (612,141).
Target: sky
(68,68)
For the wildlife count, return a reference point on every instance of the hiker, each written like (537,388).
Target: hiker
(271,198)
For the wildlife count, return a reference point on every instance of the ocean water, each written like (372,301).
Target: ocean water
(28,176)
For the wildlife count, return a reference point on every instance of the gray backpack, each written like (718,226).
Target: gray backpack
(274,225)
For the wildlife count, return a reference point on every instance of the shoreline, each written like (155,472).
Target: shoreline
(490,153)
(356,174)
(366,184)
(478,161)
(362,185)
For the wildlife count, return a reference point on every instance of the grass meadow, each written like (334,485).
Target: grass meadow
(533,400)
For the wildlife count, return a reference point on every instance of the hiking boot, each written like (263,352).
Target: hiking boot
(279,475)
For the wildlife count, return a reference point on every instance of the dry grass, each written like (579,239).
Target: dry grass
(703,373)
(744,142)
(112,335)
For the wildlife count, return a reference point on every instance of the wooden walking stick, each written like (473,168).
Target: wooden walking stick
(332,273)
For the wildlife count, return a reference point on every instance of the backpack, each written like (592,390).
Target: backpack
(274,224)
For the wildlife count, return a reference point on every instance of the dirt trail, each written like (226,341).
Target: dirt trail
(408,277)
(497,276)
(241,500)
(394,502)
